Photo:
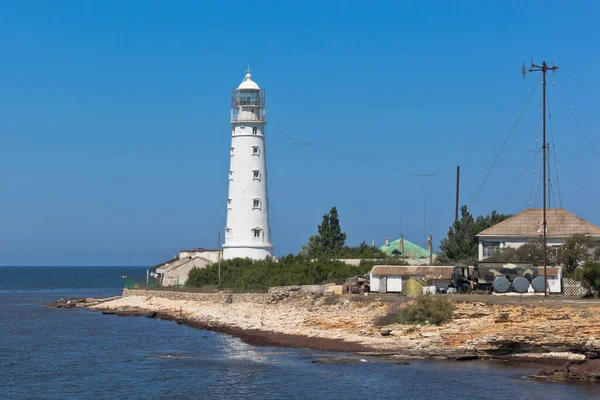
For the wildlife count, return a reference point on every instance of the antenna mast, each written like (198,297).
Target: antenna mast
(425,202)
(544,68)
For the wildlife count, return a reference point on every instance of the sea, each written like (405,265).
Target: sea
(80,354)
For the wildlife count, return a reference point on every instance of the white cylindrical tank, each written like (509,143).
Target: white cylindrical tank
(247,232)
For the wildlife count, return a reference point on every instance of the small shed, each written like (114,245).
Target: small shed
(554,278)
(392,278)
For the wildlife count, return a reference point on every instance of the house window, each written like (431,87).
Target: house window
(255,150)
(489,248)
(256,175)
(256,232)
(255,204)
(254,130)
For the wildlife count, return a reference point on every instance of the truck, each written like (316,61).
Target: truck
(490,276)
(356,284)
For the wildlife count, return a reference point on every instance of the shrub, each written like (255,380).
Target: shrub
(393,316)
(591,275)
(246,275)
(425,309)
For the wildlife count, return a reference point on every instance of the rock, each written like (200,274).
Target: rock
(385,331)
(279,293)
(501,318)
(467,357)
(566,316)
(577,370)
(592,344)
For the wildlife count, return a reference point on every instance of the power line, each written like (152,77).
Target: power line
(537,140)
(576,120)
(534,189)
(580,80)
(429,226)
(503,147)
(514,183)
(589,194)
(554,154)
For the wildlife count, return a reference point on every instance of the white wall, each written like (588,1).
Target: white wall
(178,275)
(394,284)
(374,282)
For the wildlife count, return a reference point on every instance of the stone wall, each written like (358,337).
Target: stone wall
(217,298)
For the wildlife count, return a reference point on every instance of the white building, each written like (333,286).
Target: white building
(175,272)
(391,278)
(247,233)
(527,225)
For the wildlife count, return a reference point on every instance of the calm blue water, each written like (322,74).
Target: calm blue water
(78,354)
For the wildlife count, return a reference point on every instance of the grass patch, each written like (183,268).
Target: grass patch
(432,310)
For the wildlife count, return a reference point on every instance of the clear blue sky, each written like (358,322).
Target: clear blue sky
(114,117)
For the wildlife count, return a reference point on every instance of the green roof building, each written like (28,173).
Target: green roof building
(411,250)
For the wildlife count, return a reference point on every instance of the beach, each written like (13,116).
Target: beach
(551,332)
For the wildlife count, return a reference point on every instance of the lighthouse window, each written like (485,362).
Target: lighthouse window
(231,150)
(256,233)
(256,174)
(255,150)
(254,130)
(255,203)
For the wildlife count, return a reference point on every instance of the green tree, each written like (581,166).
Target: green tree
(577,250)
(591,275)
(363,251)
(461,243)
(330,240)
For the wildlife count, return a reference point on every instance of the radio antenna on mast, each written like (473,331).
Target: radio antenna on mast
(544,68)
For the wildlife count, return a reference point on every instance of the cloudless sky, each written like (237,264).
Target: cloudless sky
(115,135)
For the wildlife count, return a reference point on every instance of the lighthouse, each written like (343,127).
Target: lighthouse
(247,232)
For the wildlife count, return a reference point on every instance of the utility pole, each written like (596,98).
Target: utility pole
(457,191)
(544,68)
(425,201)
(402,246)
(430,243)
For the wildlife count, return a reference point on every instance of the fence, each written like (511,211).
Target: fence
(141,282)
(572,287)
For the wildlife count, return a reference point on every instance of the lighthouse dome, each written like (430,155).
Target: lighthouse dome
(248,83)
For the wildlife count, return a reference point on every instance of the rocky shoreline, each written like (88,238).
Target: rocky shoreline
(561,335)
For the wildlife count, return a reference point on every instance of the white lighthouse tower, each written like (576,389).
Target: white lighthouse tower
(247,233)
